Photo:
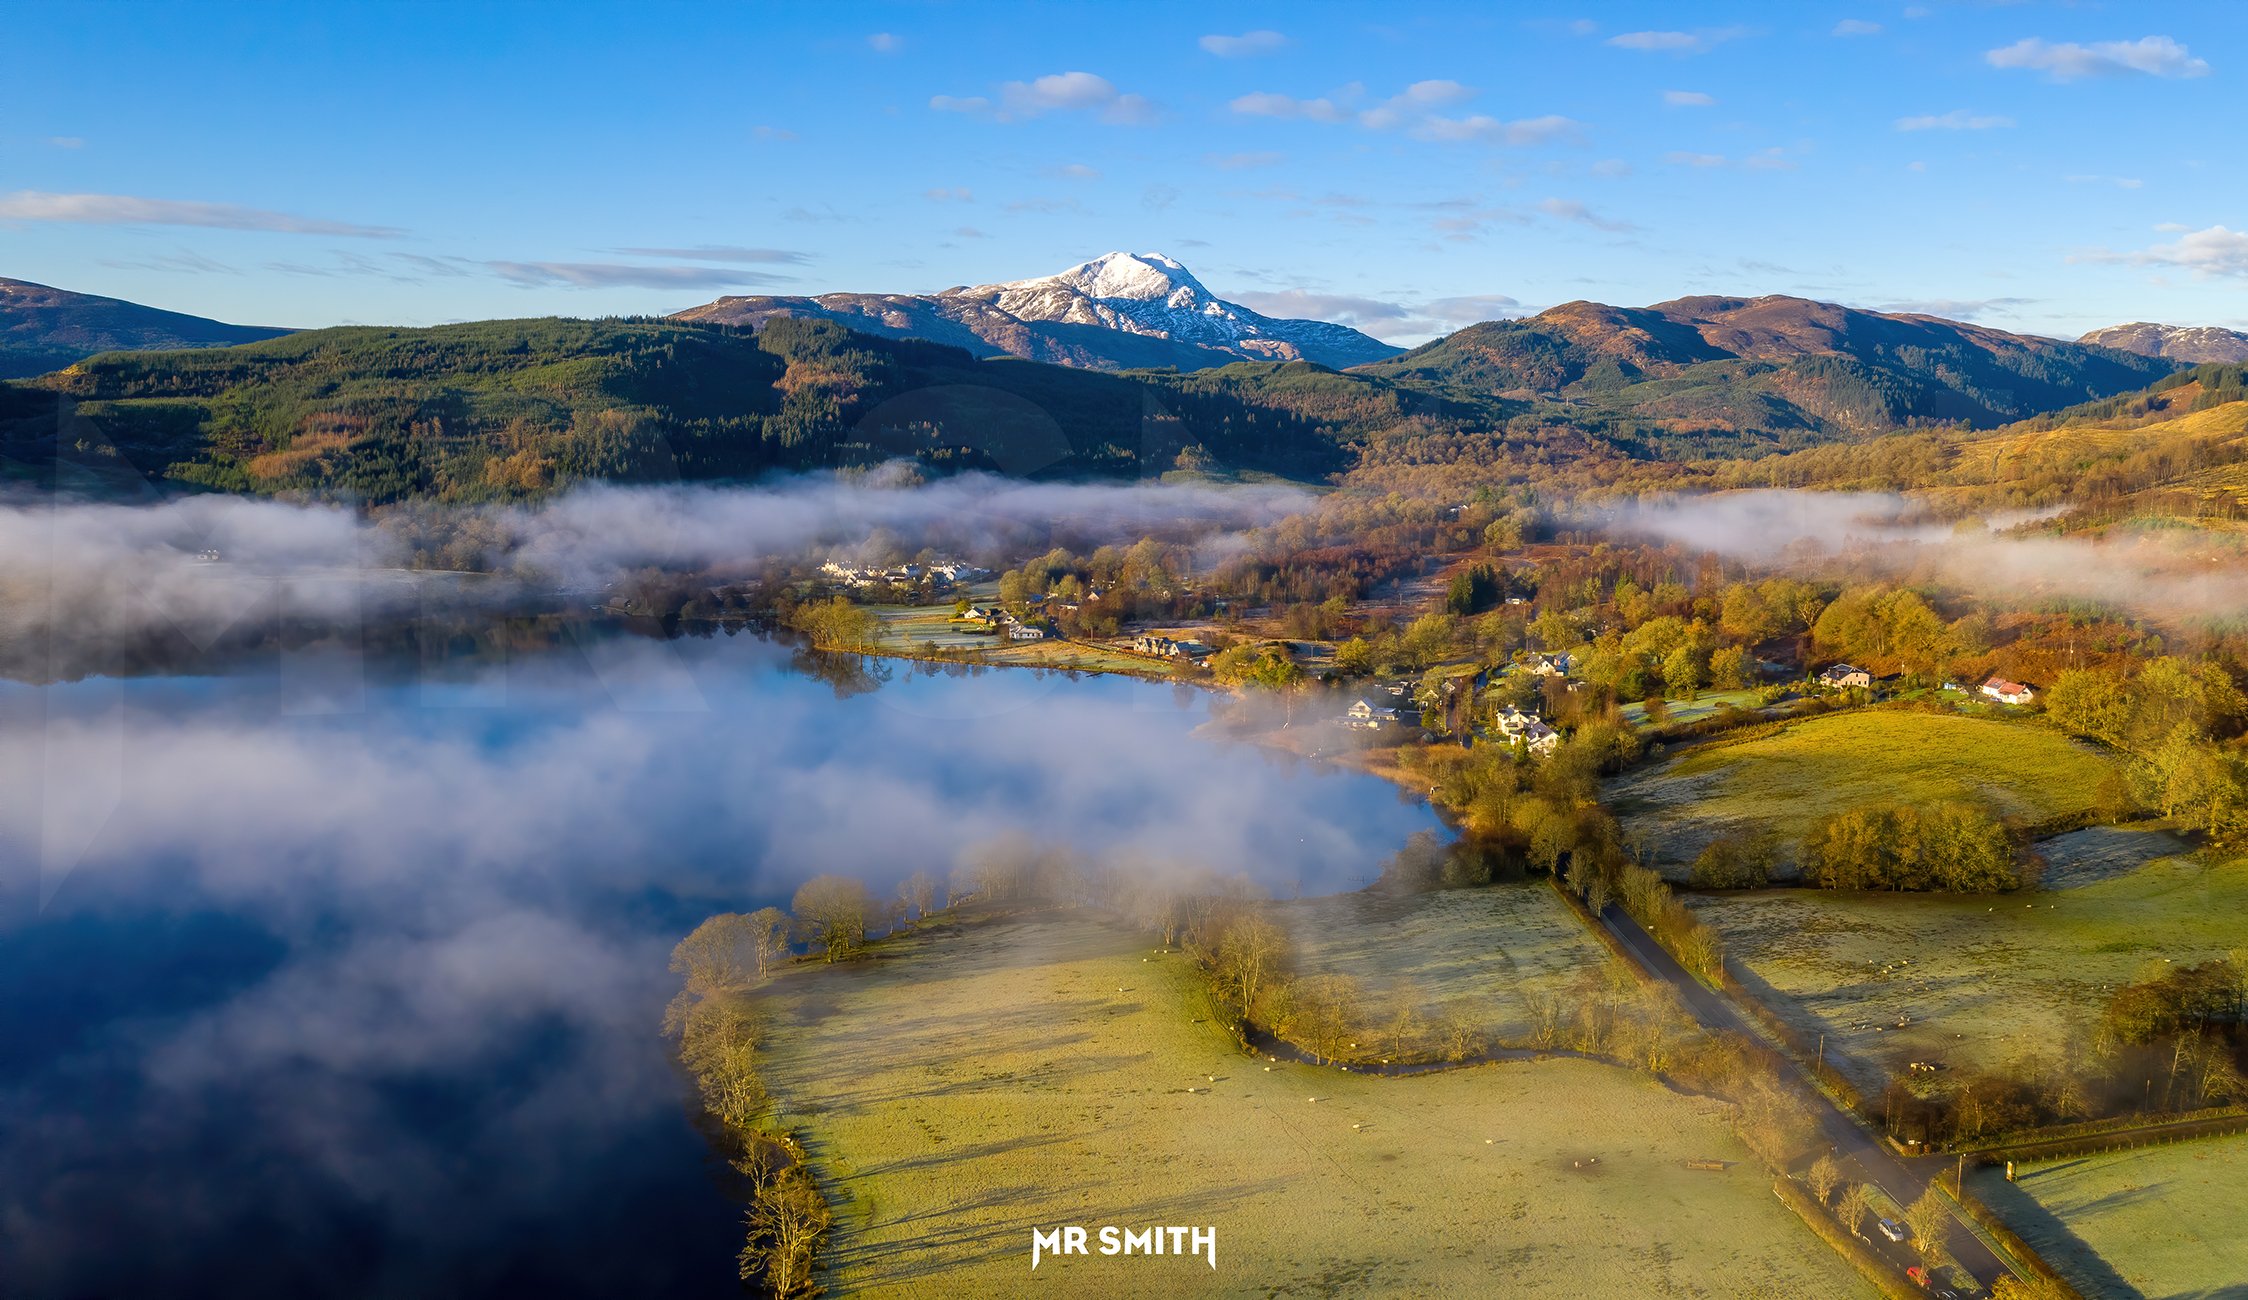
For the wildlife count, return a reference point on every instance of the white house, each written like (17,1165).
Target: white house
(2006,692)
(1370,715)
(1025,632)
(1843,676)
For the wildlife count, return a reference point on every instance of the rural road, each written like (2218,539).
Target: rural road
(1863,1155)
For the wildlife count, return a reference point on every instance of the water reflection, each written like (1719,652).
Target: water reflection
(336,974)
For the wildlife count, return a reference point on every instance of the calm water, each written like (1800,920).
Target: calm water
(334,977)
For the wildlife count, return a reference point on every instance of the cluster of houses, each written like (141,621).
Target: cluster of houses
(992,616)
(1163,647)
(901,575)
(1840,677)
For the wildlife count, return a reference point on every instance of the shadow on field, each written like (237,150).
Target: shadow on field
(2062,1248)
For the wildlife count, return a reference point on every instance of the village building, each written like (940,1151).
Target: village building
(2006,692)
(1547,665)
(1841,677)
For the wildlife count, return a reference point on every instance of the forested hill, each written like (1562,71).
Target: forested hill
(511,409)
(43,329)
(508,410)
(1773,364)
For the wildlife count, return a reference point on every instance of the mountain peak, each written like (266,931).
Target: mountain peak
(1139,277)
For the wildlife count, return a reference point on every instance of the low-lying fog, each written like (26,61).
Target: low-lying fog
(320,972)
(2174,574)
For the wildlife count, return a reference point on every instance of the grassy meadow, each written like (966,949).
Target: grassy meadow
(1785,782)
(963,1085)
(2161,1221)
(1981,979)
(1484,951)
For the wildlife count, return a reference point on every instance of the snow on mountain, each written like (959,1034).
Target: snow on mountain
(1117,311)
(2193,344)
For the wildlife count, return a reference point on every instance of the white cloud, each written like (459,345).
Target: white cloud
(2119,182)
(1774,159)
(2216,251)
(1611,167)
(772,133)
(67,141)
(1694,42)
(1412,110)
(1262,41)
(1856,27)
(1688,99)
(130,210)
(885,42)
(1958,119)
(723,253)
(949,194)
(1241,162)
(1060,92)
(1571,210)
(2153,56)
(1382,318)
(1957,308)
(1077,172)
(1522,131)
(617,275)
(1267,104)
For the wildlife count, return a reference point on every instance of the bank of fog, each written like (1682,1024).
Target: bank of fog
(94,583)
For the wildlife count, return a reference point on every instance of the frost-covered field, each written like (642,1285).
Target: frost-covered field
(1480,952)
(2167,1221)
(963,1087)
(1978,978)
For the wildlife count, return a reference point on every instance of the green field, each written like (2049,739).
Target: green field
(1784,782)
(1693,710)
(1982,978)
(2161,1221)
(1482,950)
(963,1086)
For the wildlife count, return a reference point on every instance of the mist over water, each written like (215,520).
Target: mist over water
(337,977)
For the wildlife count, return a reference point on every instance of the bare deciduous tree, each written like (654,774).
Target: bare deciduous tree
(1927,1217)
(1824,1176)
(1857,1202)
(832,912)
(786,1223)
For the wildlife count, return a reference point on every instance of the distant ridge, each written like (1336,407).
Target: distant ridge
(1119,311)
(1774,363)
(2195,345)
(44,328)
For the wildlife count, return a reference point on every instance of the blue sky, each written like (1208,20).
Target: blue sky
(2039,167)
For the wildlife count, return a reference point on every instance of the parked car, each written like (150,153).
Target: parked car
(1893,1230)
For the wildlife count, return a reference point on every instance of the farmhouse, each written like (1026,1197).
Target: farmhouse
(1148,643)
(1843,677)
(1025,632)
(1369,715)
(2006,692)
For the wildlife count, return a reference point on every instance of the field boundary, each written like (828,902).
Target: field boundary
(1875,1269)
(2110,1135)
(1994,1229)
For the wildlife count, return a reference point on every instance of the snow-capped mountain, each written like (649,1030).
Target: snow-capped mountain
(1118,311)
(2197,345)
